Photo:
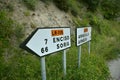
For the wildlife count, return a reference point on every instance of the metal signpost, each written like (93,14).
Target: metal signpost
(44,41)
(79,56)
(83,35)
(89,47)
(64,62)
(43,70)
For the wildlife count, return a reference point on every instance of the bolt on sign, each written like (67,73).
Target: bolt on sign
(83,35)
(48,40)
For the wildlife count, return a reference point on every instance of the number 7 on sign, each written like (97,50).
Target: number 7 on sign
(46,40)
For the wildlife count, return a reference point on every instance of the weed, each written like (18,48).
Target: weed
(30,4)
(27,13)
(68,5)
(78,22)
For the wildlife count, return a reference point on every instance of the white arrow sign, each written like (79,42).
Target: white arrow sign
(48,40)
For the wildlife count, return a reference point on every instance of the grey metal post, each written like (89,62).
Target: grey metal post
(43,69)
(89,47)
(79,56)
(64,62)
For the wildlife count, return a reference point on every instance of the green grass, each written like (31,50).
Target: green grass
(26,66)
(71,6)
(11,35)
(7,5)
(107,38)
(30,4)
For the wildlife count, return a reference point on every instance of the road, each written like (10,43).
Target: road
(114,67)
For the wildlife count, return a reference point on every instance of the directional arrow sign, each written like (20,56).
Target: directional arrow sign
(48,40)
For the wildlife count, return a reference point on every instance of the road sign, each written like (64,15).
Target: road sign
(83,35)
(48,40)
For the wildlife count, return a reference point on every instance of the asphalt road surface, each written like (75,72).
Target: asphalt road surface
(114,67)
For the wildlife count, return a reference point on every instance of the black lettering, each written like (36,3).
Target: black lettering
(46,41)
(61,39)
(65,44)
(82,40)
(42,50)
(57,39)
(57,46)
(68,38)
(83,35)
(61,45)
(46,49)
(54,40)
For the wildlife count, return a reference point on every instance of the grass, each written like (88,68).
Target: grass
(26,66)
(7,5)
(11,35)
(107,37)
(30,4)
(71,6)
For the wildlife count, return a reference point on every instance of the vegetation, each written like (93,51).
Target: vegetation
(30,4)
(111,9)
(68,5)
(92,5)
(6,5)
(11,35)
(16,64)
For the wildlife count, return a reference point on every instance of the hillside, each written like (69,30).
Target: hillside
(19,18)
(44,16)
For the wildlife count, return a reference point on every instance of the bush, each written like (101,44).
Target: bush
(111,9)
(68,5)
(11,34)
(6,5)
(92,4)
(30,4)
(92,67)
(9,29)
(82,23)
(101,26)
(47,1)
(5,29)
(62,4)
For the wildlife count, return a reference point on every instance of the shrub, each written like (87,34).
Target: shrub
(101,26)
(62,4)
(46,1)
(5,29)
(30,4)
(11,34)
(92,4)
(27,13)
(10,7)
(82,23)
(9,31)
(68,5)
(6,5)
(93,67)
(111,9)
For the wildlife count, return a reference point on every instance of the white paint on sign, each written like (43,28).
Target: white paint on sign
(83,35)
(49,40)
